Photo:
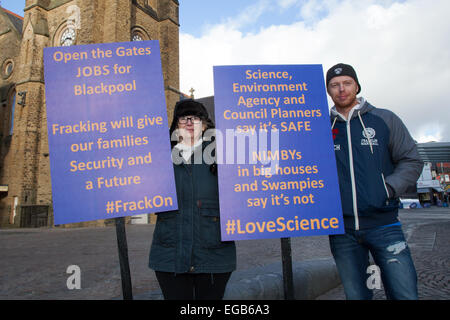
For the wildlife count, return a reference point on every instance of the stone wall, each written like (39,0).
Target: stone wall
(24,163)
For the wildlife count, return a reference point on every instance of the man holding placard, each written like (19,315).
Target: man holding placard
(377,160)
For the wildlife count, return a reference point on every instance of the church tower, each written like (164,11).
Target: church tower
(25,186)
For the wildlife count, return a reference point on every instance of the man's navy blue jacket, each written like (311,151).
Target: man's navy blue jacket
(377,161)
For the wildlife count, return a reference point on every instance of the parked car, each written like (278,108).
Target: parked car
(409,203)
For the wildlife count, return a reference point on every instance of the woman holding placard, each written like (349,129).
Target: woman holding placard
(187,254)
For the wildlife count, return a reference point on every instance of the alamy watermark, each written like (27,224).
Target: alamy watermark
(74,280)
(374,280)
(74,19)
(235,147)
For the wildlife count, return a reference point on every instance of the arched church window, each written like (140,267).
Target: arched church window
(137,37)
(65,35)
(139,34)
(7,68)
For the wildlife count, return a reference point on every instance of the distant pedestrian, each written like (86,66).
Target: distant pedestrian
(189,258)
(377,161)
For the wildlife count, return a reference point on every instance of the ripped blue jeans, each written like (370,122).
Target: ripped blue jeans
(390,253)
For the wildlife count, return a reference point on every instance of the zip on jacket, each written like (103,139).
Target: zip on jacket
(350,157)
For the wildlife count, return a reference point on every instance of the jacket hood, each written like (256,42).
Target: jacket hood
(362,107)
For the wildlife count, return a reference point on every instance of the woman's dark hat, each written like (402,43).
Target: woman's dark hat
(342,69)
(189,107)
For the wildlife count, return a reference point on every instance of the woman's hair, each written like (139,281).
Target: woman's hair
(189,107)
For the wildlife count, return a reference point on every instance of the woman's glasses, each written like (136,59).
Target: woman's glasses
(193,119)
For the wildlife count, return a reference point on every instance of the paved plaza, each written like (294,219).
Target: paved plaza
(34,262)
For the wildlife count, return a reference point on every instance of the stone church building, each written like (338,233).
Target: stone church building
(25,187)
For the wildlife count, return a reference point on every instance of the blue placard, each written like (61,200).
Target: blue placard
(107,131)
(277,169)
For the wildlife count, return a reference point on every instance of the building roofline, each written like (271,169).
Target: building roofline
(12,13)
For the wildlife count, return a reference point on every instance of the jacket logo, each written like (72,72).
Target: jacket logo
(338,70)
(335,132)
(369,134)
